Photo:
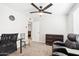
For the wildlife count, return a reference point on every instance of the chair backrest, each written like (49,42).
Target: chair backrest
(71,41)
(72,37)
(22,35)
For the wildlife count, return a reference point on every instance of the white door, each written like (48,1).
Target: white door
(35,31)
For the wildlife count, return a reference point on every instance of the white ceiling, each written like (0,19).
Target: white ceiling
(57,8)
(25,8)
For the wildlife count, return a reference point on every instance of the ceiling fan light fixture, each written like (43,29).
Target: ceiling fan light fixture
(40,13)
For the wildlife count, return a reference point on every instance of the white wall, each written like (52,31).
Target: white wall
(8,26)
(76,21)
(73,20)
(35,31)
(52,24)
(70,23)
(55,24)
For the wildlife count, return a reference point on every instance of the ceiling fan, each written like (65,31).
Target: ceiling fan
(41,9)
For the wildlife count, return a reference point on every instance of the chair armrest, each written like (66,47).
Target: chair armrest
(59,43)
(20,39)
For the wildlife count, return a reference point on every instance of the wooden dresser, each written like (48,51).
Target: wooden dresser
(50,38)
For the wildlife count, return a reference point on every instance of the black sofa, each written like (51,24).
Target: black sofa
(8,43)
(59,48)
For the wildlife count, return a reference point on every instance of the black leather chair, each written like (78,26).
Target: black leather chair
(71,42)
(8,43)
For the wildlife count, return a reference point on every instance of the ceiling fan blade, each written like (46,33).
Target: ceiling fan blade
(35,6)
(47,12)
(34,12)
(47,6)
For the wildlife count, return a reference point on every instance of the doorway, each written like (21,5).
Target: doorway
(29,32)
(33,32)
